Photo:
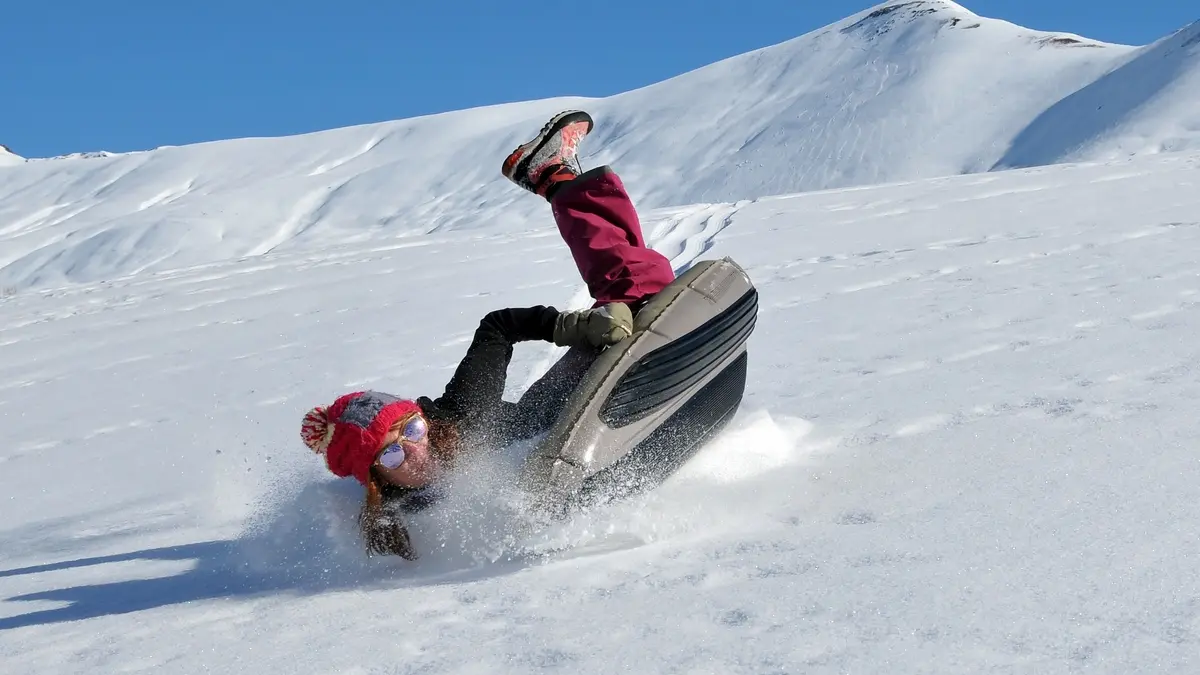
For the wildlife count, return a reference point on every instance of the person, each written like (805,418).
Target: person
(398,448)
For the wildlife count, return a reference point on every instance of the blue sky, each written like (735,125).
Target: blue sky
(124,75)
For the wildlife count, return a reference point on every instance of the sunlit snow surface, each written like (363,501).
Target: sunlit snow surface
(969,444)
(907,91)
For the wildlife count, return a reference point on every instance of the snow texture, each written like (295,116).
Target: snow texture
(1148,105)
(904,91)
(967,444)
(9,158)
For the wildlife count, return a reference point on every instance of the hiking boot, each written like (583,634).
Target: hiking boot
(549,160)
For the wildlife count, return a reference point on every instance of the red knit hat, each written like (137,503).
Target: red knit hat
(349,432)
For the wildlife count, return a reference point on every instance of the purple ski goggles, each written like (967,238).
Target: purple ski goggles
(414,431)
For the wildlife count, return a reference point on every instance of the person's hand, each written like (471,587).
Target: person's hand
(597,327)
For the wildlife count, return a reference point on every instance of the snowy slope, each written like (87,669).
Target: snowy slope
(903,91)
(9,158)
(968,445)
(1148,105)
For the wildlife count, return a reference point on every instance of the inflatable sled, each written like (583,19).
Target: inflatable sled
(649,402)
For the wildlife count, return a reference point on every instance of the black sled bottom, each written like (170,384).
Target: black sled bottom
(673,443)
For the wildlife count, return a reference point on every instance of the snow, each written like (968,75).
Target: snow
(1150,104)
(967,444)
(9,158)
(906,91)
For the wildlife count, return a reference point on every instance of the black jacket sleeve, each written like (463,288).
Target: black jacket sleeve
(472,398)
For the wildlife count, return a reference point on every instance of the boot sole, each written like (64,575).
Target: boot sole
(518,160)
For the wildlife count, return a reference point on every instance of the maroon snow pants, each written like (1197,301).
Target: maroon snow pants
(599,224)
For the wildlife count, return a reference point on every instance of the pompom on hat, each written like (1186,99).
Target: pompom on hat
(350,432)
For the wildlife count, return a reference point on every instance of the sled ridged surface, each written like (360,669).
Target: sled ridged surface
(668,371)
(647,403)
(673,442)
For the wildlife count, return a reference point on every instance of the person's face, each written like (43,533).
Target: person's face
(419,466)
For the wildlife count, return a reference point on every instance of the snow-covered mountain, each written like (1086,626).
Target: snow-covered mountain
(900,92)
(1148,104)
(9,158)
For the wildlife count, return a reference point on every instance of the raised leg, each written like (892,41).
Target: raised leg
(600,225)
(593,212)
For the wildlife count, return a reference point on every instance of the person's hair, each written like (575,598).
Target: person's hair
(443,440)
(382,531)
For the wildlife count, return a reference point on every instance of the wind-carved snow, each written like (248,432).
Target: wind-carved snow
(899,92)
(329,166)
(167,196)
(968,438)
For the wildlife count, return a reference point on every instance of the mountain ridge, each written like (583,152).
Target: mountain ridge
(8,157)
(1148,104)
(905,90)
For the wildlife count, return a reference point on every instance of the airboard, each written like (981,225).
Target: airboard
(647,403)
